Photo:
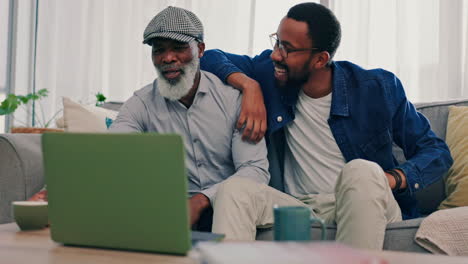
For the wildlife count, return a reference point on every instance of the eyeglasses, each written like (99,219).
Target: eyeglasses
(276,44)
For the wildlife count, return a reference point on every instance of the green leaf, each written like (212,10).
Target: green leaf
(23,99)
(100,97)
(43,93)
(32,96)
(9,105)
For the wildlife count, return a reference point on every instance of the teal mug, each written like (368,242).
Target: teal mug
(292,223)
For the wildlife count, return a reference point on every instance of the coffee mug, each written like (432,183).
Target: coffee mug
(292,223)
(30,215)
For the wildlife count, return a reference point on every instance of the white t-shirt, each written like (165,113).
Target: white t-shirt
(313,160)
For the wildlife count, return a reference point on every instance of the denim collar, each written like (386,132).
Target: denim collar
(339,105)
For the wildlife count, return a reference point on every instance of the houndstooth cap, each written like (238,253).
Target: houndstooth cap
(174,23)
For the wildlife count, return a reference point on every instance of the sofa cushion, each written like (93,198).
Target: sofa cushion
(457,176)
(437,113)
(85,118)
(399,236)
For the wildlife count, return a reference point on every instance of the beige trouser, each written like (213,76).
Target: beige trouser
(361,206)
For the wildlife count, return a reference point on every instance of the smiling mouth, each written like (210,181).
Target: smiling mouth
(281,73)
(280,70)
(172,74)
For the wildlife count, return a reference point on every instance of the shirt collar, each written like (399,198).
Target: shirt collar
(203,84)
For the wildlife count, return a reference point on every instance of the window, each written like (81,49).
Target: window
(268,15)
(4,23)
(422,41)
(84,47)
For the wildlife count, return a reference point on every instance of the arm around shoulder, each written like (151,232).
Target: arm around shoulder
(223,64)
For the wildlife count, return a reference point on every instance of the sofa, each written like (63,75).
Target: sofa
(21,175)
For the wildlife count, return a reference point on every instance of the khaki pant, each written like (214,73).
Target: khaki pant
(361,206)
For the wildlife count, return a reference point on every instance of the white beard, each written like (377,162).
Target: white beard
(181,87)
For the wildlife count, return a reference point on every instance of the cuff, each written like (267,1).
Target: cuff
(211,193)
(413,181)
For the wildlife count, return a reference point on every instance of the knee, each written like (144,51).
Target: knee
(361,166)
(234,190)
(236,186)
(363,173)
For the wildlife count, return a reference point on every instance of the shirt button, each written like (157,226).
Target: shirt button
(199,164)
(279,119)
(416,185)
(195,140)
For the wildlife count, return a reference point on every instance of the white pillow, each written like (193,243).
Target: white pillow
(85,118)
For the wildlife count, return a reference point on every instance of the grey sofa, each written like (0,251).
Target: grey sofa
(21,175)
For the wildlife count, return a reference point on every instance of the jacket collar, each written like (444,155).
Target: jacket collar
(339,105)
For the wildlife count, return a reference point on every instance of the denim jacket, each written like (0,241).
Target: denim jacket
(369,113)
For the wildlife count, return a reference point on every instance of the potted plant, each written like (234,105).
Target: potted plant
(100,99)
(13,102)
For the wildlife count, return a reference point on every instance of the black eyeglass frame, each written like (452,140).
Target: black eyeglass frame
(276,44)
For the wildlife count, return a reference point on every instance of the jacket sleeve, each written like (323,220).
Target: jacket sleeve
(428,157)
(223,64)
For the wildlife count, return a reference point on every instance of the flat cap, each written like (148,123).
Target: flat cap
(174,23)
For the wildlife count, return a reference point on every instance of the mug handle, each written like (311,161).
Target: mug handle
(322,225)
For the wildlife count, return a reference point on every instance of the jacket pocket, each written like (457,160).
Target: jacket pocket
(378,142)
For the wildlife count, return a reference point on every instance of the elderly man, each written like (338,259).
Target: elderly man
(196,105)
(331,126)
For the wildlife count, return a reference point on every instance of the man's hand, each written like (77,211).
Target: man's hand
(392,180)
(253,113)
(40,196)
(197,204)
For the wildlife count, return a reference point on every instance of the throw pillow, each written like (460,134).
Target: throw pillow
(85,118)
(456,182)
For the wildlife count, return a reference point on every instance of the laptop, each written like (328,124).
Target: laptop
(120,191)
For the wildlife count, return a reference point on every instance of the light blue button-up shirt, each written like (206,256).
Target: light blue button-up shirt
(214,147)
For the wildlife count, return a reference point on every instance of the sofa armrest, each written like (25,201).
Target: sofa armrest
(21,170)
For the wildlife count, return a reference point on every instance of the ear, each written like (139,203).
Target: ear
(201,49)
(322,59)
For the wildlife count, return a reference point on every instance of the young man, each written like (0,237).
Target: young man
(196,105)
(331,126)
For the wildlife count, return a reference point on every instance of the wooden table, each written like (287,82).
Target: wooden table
(36,247)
